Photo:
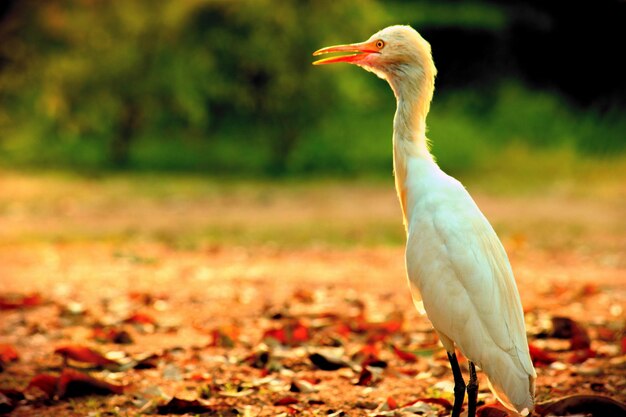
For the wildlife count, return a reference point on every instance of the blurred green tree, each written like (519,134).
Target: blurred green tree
(86,79)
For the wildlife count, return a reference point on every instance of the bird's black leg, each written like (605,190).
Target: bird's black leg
(472,391)
(459,385)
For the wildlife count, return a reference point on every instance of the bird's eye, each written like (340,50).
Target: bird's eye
(380,44)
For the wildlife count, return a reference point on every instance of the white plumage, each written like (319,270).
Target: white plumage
(458,270)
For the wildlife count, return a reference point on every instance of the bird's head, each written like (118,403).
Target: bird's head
(393,53)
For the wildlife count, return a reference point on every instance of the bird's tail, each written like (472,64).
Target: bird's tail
(511,385)
(523,408)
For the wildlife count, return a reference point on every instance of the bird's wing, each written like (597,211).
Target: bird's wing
(457,262)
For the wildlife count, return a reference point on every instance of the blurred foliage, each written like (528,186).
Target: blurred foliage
(226,86)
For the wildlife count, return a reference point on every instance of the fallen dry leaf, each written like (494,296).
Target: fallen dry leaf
(539,356)
(594,405)
(181,406)
(140,318)
(326,362)
(366,378)
(15,301)
(491,411)
(45,383)
(292,333)
(439,401)
(286,401)
(73,383)
(581,355)
(9,399)
(111,335)
(85,355)
(8,353)
(566,328)
(404,355)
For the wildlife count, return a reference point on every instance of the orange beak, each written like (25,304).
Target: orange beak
(357,51)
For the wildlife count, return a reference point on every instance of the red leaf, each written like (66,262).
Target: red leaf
(180,406)
(539,356)
(8,353)
(342,329)
(391,403)
(300,333)
(85,355)
(624,344)
(589,288)
(286,401)
(377,331)
(579,356)
(404,355)
(141,318)
(44,382)
(366,378)
(293,333)
(15,301)
(73,383)
(276,334)
(369,350)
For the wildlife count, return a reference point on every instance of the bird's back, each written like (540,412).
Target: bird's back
(458,267)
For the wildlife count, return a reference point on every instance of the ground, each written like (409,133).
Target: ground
(234,285)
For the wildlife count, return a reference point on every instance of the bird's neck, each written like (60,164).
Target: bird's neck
(414,92)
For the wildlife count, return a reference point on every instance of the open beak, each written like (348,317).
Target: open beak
(356,52)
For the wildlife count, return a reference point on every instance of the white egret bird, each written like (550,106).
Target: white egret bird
(458,270)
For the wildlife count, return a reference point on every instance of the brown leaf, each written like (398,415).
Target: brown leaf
(85,355)
(13,394)
(491,411)
(594,405)
(180,406)
(8,399)
(6,404)
(286,401)
(109,335)
(224,336)
(73,383)
(15,301)
(566,328)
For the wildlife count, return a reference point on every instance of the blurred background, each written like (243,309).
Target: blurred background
(530,88)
